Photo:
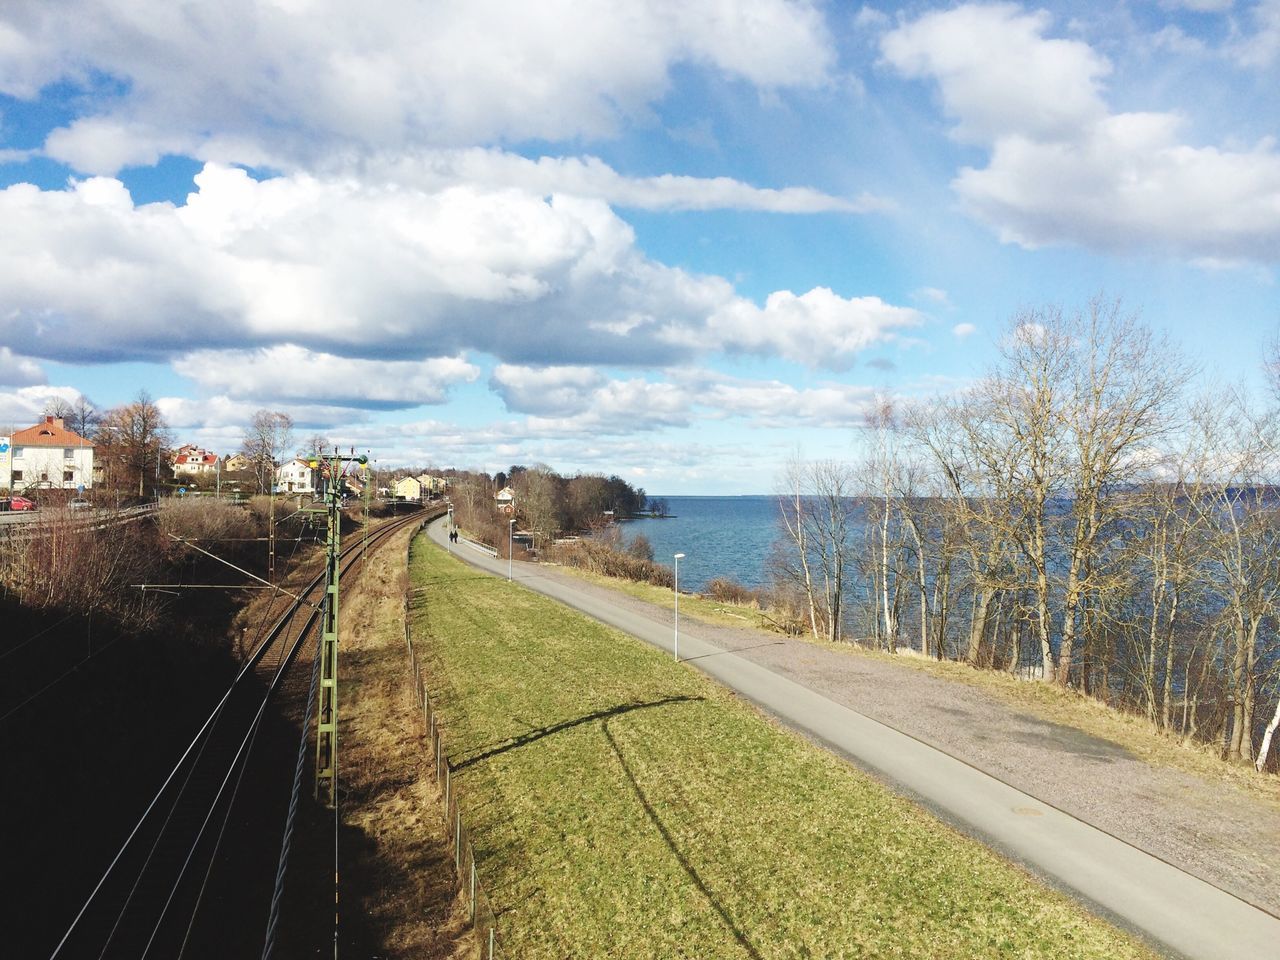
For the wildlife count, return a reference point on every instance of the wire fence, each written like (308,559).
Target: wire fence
(480,909)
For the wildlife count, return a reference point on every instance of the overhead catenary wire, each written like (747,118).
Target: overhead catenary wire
(250,663)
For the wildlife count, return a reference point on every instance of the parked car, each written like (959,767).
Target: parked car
(79,503)
(21,503)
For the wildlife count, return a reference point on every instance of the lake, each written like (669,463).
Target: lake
(719,536)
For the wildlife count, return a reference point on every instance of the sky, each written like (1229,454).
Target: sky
(676,240)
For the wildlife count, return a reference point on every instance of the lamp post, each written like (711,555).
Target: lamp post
(676,645)
(511,543)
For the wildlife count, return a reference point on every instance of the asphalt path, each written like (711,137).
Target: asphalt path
(1179,914)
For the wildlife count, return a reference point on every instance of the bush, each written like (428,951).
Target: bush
(640,548)
(604,558)
(730,591)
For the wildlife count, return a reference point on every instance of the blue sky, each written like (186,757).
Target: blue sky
(672,240)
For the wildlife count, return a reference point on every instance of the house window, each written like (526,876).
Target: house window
(44,477)
(17,453)
(17,475)
(66,453)
(68,475)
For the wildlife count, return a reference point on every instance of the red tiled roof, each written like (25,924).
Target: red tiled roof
(51,433)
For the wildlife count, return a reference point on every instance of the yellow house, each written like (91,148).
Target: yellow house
(407,488)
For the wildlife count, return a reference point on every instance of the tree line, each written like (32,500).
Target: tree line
(1074,514)
(546,503)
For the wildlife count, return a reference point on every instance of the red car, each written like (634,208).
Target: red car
(21,503)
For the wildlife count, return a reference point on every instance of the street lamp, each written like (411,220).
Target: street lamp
(676,646)
(511,544)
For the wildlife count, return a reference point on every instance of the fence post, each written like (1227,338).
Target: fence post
(446,790)
(491,943)
(457,843)
(473,882)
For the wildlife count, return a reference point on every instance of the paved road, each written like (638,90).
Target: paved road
(1180,914)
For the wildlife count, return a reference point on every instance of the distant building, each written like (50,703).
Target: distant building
(237,462)
(505,501)
(433,486)
(407,488)
(295,476)
(47,456)
(192,461)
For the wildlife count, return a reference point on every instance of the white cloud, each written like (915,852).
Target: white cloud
(996,71)
(24,406)
(288,372)
(1200,6)
(1128,183)
(16,371)
(335,266)
(226,417)
(819,328)
(964,330)
(262,80)
(1063,169)
(1260,48)
(781,405)
(591,177)
(931,295)
(572,398)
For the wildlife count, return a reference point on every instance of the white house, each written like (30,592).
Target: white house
(505,501)
(47,456)
(193,461)
(295,476)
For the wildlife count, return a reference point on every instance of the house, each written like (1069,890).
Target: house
(295,476)
(432,486)
(505,501)
(192,461)
(47,456)
(237,462)
(407,488)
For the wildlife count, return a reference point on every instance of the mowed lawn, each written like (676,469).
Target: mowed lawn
(624,806)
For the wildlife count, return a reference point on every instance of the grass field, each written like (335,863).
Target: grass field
(622,805)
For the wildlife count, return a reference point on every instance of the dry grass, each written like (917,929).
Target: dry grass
(397,871)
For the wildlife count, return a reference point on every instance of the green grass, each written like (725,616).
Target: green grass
(623,805)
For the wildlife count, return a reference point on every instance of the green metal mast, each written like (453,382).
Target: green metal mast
(327,714)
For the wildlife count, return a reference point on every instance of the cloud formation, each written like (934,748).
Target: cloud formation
(592,177)
(284,82)
(1063,168)
(16,371)
(290,373)
(341,268)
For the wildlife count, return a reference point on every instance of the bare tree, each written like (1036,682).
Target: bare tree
(132,441)
(793,514)
(316,446)
(817,514)
(269,435)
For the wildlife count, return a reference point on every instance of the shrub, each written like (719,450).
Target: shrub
(602,557)
(730,591)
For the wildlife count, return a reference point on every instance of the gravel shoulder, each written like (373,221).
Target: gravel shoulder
(1210,829)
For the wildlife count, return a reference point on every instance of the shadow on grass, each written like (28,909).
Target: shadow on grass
(675,850)
(538,733)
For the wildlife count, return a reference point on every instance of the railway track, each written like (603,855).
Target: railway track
(194,877)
